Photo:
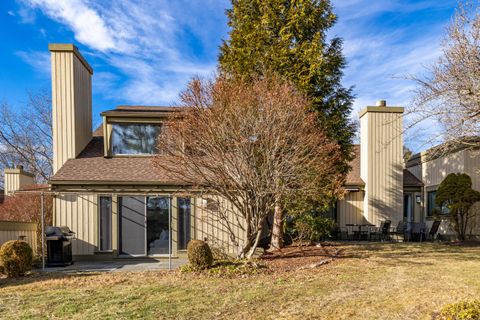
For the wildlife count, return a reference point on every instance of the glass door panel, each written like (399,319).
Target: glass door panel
(184,214)
(158,225)
(132,225)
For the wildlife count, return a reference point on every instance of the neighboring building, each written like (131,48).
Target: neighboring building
(108,192)
(15,179)
(431,167)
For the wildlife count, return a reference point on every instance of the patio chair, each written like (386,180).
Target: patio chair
(383,232)
(432,234)
(418,231)
(399,230)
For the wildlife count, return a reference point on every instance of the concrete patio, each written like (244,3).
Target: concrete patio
(119,265)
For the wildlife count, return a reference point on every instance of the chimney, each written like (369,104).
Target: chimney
(381,162)
(71,102)
(15,179)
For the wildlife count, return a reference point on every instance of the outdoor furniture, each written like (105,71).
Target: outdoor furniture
(416,231)
(360,234)
(339,233)
(433,230)
(399,230)
(382,233)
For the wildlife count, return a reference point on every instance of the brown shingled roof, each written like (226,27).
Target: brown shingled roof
(409,180)
(353,177)
(98,132)
(92,167)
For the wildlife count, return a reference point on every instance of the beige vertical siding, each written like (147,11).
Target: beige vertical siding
(83,105)
(15,230)
(80,214)
(472,167)
(72,106)
(15,179)
(350,209)
(434,171)
(11,183)
(382,164)
(216,221)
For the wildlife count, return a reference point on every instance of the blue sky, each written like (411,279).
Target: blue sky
(144,52)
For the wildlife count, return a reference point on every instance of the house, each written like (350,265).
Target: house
(108,192)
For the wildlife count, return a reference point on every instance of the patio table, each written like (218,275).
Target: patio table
(359,225)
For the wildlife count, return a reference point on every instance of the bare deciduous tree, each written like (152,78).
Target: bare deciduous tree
(450,94)
(253,144)
(26,136)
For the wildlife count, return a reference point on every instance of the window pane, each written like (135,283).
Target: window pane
(158,225)
(431,202)
(129,138)
(184,210)
(105,223)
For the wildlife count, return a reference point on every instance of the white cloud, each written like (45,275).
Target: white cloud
(141,40)
(88,26)
(155,45)
(10,13)
(39,60)
(380,54)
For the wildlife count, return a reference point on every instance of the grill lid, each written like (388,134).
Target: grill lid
(63,231)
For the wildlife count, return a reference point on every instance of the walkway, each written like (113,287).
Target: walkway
(127,265)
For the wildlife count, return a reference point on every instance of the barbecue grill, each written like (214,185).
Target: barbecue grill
(59,246)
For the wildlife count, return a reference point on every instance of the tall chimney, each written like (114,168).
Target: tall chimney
(71,103)
(381,162)
(15,179)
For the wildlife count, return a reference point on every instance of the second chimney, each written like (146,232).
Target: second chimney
(71,102)
(15,179)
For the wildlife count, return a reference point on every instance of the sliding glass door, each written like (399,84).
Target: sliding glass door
(144,225)
(158,225)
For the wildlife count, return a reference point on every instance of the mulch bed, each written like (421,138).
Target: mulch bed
(466,243)
(296,257)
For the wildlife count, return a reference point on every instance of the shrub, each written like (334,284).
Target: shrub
(199,254)
(16,258)
(464,310)
(311,227)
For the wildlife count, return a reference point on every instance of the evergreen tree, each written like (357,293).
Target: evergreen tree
(289,37)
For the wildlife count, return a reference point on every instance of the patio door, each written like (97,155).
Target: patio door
(144,226)
(158,225)
(132,227)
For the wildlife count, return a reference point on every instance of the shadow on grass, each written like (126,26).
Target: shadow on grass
(39,277)
(420,251)
(298,252)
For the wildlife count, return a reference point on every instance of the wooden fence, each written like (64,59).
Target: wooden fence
(26,231)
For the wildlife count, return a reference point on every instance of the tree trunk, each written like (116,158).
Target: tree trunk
(252,249)
(277,228)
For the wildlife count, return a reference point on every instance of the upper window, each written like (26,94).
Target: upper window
(134,138)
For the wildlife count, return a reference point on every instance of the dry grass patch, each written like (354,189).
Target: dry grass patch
(377,281)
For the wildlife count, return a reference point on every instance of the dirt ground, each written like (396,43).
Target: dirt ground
(301,257)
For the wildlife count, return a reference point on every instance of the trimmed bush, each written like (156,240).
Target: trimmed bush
(199,254)
(16,258)
(464,310)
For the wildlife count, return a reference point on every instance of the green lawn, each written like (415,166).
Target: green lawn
(378,281)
